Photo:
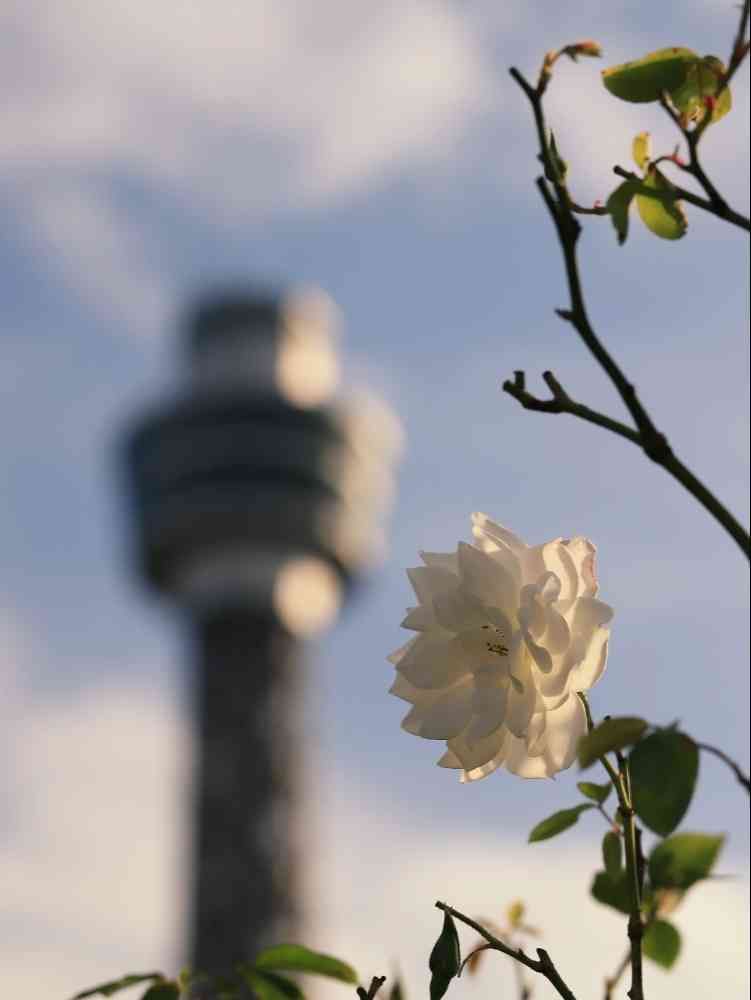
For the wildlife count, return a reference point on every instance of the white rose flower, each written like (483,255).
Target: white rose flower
(507,634)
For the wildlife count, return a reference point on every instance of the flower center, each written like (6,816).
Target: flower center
(493,645)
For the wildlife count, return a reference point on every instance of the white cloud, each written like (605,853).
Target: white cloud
(236,112)
(91,840)
(245,106)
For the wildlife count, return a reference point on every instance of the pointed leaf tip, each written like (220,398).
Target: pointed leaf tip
(618,205)
(445,958)
(557,823)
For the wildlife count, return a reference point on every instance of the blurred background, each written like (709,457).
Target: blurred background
(151,151)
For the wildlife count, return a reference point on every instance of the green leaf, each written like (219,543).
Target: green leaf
(598,793)
(115,985)
(661,213)
(297,958)
(445,958)
(702,82)
(641,150)
(612,890)
(612,851)
(559,165)
(645,79)
(162,991)
(557,823)
(662,943)
(663,769)
(270,986)
(683,859)
(612,734)
(618,205)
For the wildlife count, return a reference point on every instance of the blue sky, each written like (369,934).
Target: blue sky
(154,150)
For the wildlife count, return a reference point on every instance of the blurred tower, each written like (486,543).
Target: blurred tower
(258,501)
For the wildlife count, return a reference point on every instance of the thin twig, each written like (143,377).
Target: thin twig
(721,209)
(544,965)
(740,46)
(654,444)
(742,778)
(612,981)
(561,402)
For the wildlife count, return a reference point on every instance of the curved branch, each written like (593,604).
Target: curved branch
(561,402)
(544,965)
(742,778)
(654,444)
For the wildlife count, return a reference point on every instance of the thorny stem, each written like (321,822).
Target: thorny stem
(654,444)
(544,965)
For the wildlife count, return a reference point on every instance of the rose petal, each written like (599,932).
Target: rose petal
(543,659)
(557,636)
(428,581)
(518,761)
(536,734)
(431,662)
(531,614)
(592,665)
(420,619)
(558,559)
(441,560)
(589,614)
(583,554)
(492,765)
(488,709)
(478,753)
(548,588)
(458,609)
(522,694)
(486,530)
(398,655)
(487,579)
(441,717)
(564,728)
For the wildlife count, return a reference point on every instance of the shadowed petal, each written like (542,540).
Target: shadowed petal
(458,609)
(592,665)
(441,560)
(430,662)
(427,581)
(564,728)
(487,579)
(518,761)
(441,717)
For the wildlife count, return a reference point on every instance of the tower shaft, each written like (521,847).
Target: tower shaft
(248,693)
